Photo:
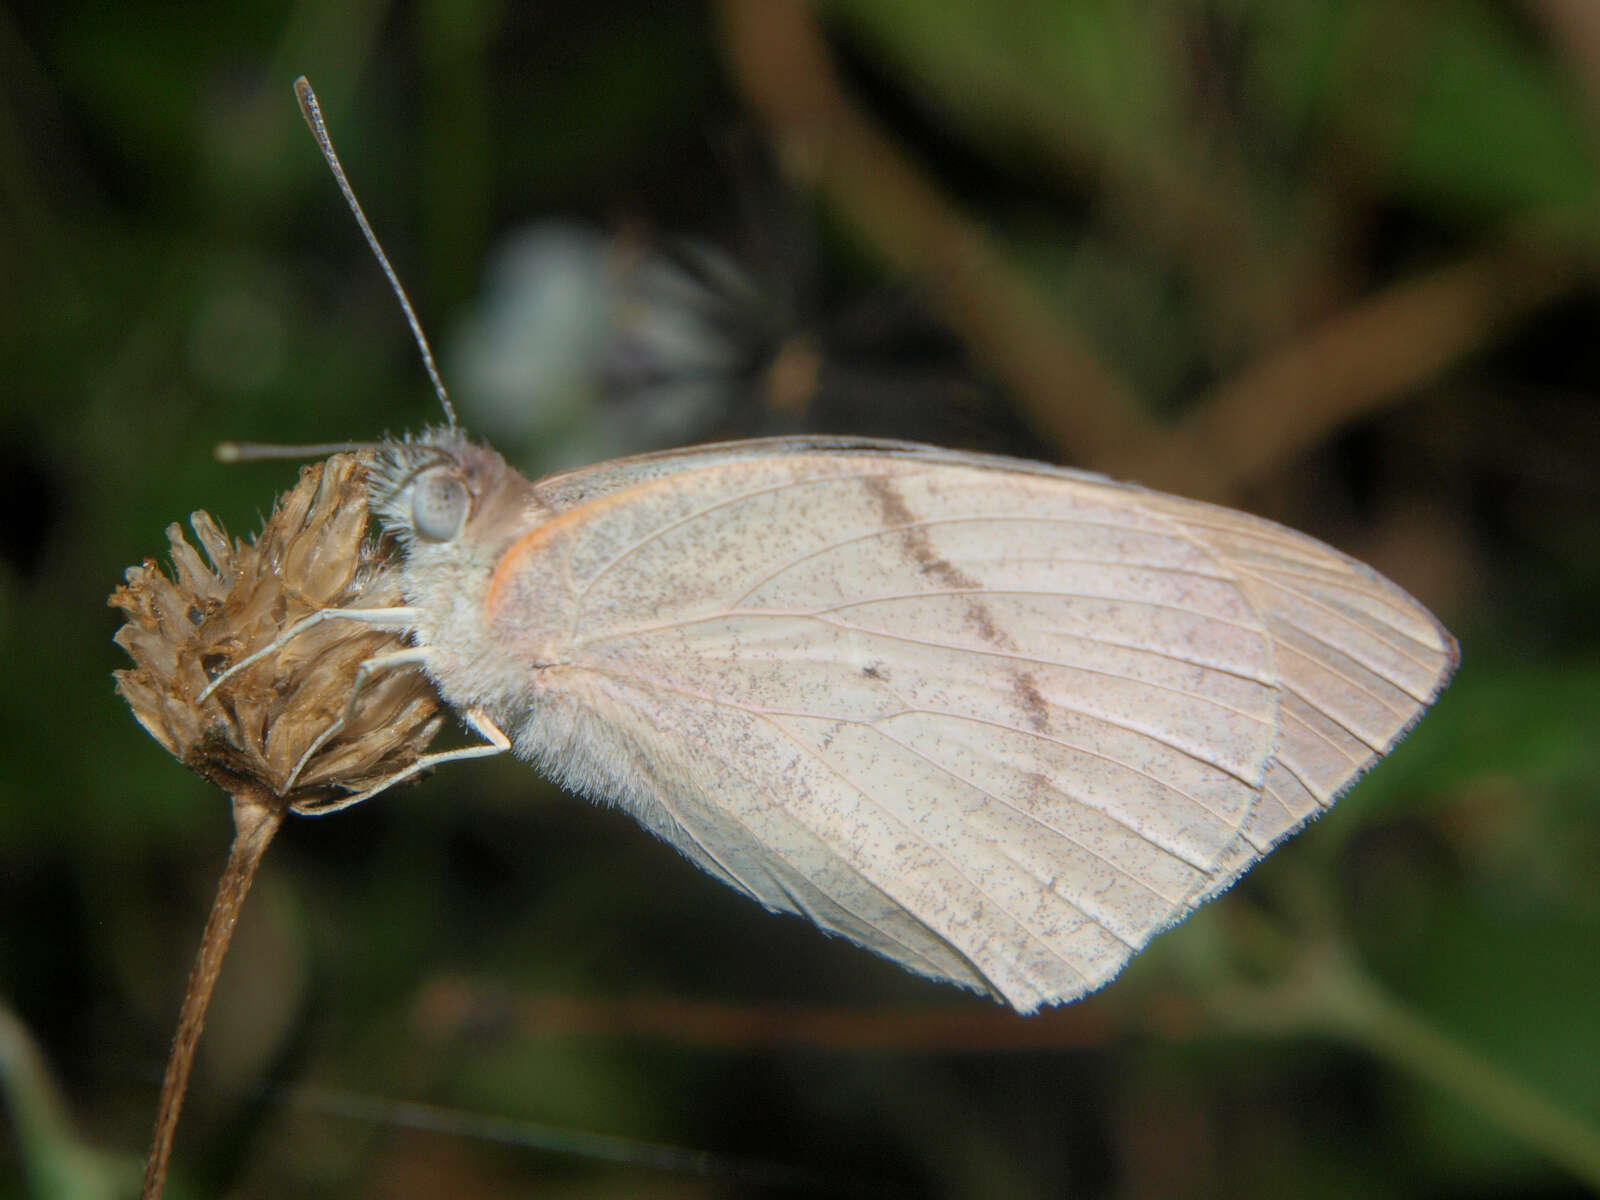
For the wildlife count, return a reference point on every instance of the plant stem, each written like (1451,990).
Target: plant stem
(1332,995)
(255,820)
(1369,1016)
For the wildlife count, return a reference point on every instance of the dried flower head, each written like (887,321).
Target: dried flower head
(264,729)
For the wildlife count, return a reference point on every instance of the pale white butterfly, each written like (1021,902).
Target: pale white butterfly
(998,721)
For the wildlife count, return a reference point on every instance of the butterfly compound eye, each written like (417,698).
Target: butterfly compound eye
(439,503)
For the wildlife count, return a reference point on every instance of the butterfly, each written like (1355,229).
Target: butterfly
(998,721)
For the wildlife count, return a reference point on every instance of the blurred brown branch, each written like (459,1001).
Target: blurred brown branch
(1574,27)
(781,62)
(453,1007)
(1375,352)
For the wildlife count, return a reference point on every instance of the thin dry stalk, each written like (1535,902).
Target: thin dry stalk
(256,819)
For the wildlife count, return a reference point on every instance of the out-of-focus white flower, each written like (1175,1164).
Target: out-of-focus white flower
(585,346)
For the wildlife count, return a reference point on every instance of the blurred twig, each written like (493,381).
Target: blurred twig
(56,1164)
(1144,185)
(1373,353)
(451,1007)
(1331,995)
(781,62)
(572,1143)
(1574,27)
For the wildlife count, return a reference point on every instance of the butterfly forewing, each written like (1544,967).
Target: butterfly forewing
(997,722)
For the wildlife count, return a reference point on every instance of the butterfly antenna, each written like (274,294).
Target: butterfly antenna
(239,452)
(312,111)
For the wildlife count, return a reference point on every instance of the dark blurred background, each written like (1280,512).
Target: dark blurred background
(1334,261)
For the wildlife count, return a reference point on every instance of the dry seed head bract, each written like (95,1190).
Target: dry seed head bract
(313,553)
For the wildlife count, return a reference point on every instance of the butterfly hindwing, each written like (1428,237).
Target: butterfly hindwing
(997,722)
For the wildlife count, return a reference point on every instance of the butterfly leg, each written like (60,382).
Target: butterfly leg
(477,720)
(413,657)
(402,619)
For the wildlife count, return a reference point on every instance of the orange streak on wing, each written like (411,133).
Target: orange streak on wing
(537,540)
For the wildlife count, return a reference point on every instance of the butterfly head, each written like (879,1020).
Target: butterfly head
(453,508)
(438,492)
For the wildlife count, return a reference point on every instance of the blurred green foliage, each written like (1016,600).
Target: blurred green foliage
(1190,184)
